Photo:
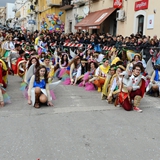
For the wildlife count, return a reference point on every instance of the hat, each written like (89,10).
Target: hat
(16,38)
(121,67)
(139,55)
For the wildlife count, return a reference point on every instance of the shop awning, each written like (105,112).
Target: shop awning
(94,19)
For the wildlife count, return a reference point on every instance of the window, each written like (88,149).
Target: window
(70,26)
(140,24)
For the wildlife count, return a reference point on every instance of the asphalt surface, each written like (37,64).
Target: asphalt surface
(80,126)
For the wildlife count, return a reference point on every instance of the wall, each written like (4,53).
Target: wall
(71,17)
(47,10)
(101,4)
(9,13)
(2,15)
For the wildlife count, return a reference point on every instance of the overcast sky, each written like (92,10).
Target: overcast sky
(3,2)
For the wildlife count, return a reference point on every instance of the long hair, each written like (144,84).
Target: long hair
(30,62)
(89,65)
(62,59)
(37,75)
(75,61)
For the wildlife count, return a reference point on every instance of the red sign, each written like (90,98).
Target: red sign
(141,5)
(117,4)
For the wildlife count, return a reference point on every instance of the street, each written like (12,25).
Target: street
(80,126)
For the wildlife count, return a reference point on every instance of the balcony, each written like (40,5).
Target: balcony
(66,5)
(53,3)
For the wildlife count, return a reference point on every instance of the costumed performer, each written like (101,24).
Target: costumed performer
(132,89)
(101,73)
(88,76)
(106,85)
(4,98)
(38,91)
(115,82)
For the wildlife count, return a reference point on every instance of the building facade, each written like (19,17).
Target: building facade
(2,16)
(140,16)
(25,15)
(9,15)
(117,17)
(48,10)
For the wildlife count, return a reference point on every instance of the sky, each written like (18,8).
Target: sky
(3,2)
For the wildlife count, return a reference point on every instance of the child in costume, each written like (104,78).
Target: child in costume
(106,86)
(74,65)
(101,73)
(50,68)
(63,63)
(115,84)
(88,76)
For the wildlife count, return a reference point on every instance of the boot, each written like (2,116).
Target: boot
(36,105)
(136,103)
(99,89)
(116,102)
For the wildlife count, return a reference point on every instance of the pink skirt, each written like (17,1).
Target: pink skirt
(62,72)
(89,86)
(67,81)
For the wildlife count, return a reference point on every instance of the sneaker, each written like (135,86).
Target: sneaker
(103,97)
(137,109)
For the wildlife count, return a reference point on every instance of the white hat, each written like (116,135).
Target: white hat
(15,38)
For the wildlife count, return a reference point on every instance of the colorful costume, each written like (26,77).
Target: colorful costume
(4,98)
(4,73)
(20,67)
(42,85)
(101,73)
(125,97)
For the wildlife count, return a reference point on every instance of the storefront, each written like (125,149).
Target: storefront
(99,21)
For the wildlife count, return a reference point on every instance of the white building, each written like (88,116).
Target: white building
(9,14)
(24,14)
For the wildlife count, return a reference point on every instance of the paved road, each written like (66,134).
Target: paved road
(79,127)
